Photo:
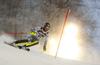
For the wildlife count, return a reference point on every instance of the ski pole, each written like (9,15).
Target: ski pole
(42,22)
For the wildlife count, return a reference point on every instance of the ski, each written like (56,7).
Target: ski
(18,47)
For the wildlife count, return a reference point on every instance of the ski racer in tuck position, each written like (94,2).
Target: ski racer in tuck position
(36,35)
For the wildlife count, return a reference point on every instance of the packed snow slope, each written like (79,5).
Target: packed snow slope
(13,56)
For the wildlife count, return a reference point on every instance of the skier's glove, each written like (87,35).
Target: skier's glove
(44,48)
(33,33)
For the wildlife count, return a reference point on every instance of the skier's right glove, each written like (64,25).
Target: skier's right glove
(33,33)
(44,48)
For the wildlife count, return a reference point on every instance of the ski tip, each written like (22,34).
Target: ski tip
(5,42)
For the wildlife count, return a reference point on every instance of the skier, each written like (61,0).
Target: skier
(36,35)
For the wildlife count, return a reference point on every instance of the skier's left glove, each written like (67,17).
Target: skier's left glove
(44,48)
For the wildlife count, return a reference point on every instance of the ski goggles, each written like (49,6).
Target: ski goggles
(47,27)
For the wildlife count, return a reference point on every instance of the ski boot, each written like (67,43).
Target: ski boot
(28,49)
(20,47)
(23,47)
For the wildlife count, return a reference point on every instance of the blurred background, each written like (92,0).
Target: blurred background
(80,40)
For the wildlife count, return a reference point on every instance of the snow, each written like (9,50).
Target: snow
(13,56)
